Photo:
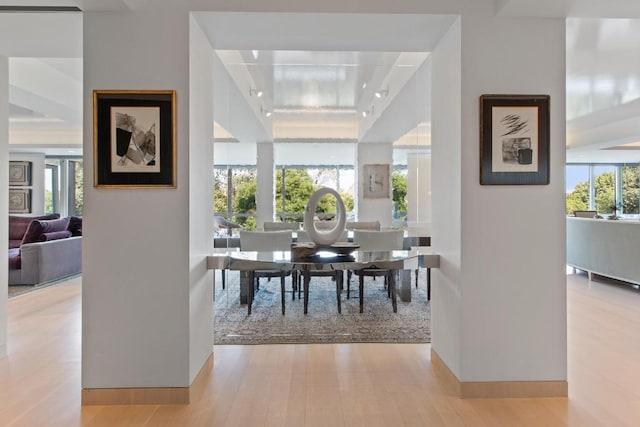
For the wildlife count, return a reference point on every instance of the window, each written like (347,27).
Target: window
(235,194)
(604,179)
(51,189)
(577,188)
(608,189)
(295,184)
(64,179)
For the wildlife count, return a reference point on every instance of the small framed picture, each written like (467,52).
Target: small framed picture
(19,173)
(514,139)
(134,134)
(376,181)
(19,200)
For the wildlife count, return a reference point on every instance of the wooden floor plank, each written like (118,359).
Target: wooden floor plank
(333,384)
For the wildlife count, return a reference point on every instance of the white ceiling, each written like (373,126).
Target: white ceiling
(603,70)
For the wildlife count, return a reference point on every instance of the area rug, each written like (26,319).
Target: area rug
(322,324)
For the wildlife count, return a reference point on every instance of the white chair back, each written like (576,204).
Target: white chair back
(391,240)
(265,240)
(363,225)
(277,225)
(303,236)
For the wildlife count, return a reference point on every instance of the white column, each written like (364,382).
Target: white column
(419,194)
(201,227)
(4,196)
(499,298)
(144,278)
(265,194)
(373,209)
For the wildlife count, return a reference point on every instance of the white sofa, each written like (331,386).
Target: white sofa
(605,247)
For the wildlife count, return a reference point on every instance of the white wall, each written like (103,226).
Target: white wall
(200,197)
(4,197)
(513,284)
(446,171)
(373,209)
(137,270)
(37,179)
(498,314)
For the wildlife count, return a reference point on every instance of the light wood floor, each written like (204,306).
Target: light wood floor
(326,385)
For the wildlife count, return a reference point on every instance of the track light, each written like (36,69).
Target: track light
(264,112)
(367,113)
(255,92)
(382,93)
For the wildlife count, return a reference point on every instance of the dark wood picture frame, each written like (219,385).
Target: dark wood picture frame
(134,138)
(19,200)
(19,173)
(514,139)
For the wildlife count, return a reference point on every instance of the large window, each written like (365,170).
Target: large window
(607,189)
(64,179)
(295,184)
(235,194)
(399,188)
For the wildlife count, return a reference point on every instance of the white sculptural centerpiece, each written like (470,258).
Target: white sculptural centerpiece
(324,237)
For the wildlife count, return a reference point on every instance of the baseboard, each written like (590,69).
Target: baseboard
(499,389)
(148,395)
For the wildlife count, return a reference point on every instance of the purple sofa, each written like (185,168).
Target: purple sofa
(43,249)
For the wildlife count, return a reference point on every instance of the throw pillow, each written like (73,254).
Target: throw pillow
(54,235)
(75,225)
(38,227)
(18,224)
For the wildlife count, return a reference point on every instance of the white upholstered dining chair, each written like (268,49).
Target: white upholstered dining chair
(336,275)
(267,241)
(375,241)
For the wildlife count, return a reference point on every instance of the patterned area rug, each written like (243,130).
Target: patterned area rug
(322,324)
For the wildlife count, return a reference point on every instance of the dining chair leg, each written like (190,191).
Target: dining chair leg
(250,291)
(361,292)
(338,279)
(392,287)
(417,273)
(307,279)
(428,284)
(224,278)
(294,284)
(282,292)
(386,285)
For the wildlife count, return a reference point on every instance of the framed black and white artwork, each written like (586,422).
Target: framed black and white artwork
(514,139)
(134,138)
(376,181)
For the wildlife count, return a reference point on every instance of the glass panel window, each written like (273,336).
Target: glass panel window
(630,189)
(295,185)
(577,188)
(399,189)
(235,195)
(51,189)
(604,178)
(76,182)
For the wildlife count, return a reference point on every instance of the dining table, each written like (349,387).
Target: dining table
(400,261)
